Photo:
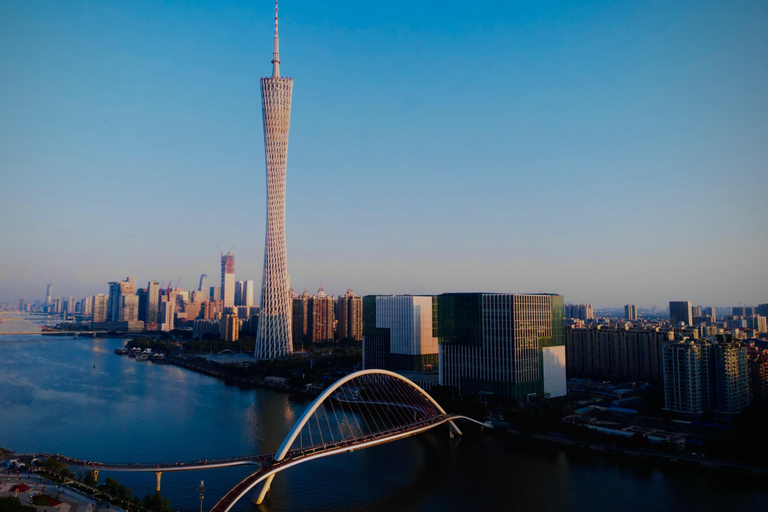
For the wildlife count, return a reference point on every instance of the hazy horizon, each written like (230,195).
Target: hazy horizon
(612,153)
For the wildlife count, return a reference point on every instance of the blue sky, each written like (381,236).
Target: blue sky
(613,152)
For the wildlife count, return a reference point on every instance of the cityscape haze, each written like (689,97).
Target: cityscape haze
(646,123)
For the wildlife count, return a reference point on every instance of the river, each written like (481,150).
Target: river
(77,398)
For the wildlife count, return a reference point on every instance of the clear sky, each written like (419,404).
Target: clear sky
(614,152)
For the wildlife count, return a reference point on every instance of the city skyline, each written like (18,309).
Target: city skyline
(449,150)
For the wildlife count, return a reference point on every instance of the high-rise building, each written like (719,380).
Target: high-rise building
(100,305)
(246,293)
(86,306)
(229,326)
(153,301)
(630,312)
(228,279)
(757,358)
(203,284)
(300,318)
(398,333)
(118,291)
(48,297)
(618,352)
(579,311)
(758,323)
(321,319)
(680,311)
(273,338)
(743,311)
(511,345)
(732,374)
(349,316)
(129,310)
(702,375)
(167,308)
(686,382)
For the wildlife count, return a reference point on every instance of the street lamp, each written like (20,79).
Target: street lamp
(201,490)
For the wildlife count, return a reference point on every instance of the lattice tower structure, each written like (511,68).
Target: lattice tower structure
(273,337)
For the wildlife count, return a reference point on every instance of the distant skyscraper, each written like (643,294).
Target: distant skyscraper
(86,306)
(273,337)
(100,302)
(579,311)
(48,297)
(349,316)
(321,318)
(204,286)
(247,293)
(153,301)
(630,312)
(167,309)
(118,290)
(680,311)
(300,318)
(228,279)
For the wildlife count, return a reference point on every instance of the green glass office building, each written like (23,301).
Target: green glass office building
(511,345)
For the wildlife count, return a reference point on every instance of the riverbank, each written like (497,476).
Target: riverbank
(653,456)
(658,456)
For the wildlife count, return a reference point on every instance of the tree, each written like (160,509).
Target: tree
(89,479)
(156,503)
(11,504)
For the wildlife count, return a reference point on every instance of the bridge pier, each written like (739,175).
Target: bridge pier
(258,498)
(158,473)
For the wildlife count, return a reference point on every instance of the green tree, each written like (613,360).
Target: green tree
(11,504)
(156,503)
(89,479)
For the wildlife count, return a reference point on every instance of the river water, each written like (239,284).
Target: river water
(77,398)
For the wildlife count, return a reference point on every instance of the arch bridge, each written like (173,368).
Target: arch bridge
(363,409)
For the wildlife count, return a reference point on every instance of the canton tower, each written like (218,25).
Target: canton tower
(273,338)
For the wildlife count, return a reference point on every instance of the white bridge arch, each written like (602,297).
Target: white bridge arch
(268,471)
(406,407)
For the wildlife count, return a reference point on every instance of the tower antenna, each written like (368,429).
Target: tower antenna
(276,54)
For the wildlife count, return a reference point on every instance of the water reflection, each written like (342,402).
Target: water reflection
(52,399)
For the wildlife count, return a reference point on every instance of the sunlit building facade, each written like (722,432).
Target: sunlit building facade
(398,333)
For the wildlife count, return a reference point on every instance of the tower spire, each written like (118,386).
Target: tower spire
(276,54)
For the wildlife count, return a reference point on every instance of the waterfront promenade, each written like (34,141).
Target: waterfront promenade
(77,501)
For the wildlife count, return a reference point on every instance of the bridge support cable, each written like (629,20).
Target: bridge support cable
(227,501)
(387,402)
